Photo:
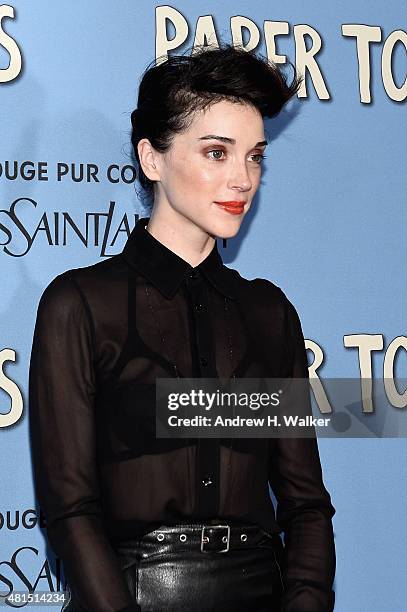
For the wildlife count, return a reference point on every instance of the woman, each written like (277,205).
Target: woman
(146,523)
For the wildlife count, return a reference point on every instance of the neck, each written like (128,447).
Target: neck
(180,235)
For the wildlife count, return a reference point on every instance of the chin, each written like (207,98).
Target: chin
(224,230)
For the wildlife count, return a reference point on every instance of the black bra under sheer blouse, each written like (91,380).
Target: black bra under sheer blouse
(103,334)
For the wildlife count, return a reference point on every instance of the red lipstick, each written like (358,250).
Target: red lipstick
(234,207)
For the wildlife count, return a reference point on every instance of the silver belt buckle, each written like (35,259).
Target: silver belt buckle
(205,539)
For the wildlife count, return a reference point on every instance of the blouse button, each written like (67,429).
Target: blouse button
(198,307)
(203,361)
(207,481)
(193,274)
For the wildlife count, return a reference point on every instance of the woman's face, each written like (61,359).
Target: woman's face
(218,159)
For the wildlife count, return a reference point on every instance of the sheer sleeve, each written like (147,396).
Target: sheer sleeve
(304,509)
(61,417)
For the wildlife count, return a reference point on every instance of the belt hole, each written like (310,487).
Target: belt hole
(160,537)
(183,537)
(243,537)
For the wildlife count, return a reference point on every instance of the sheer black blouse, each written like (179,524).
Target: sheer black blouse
(103,334)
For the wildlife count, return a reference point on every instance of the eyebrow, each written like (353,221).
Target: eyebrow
(262,143)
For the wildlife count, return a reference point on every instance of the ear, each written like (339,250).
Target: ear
(148,159)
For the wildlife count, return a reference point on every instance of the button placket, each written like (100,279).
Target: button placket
(208,450)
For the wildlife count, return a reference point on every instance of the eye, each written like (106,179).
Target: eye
(260,157)
(216,151)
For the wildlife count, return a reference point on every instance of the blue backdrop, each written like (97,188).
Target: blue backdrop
(328,225)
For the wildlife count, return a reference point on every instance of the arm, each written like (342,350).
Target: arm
(62,431)
(304,509)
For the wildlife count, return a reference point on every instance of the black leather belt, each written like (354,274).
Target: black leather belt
(205,538)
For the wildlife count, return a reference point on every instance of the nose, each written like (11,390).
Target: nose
(240,178)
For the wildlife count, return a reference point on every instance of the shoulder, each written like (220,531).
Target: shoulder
(71,290)
(268,303)
(261,292)
(104,271)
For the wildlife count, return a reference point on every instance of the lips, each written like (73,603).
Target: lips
(232,203)
(234,207)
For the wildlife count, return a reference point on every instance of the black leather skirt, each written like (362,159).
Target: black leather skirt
(202,568)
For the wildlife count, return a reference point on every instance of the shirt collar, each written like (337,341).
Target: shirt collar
(166,270)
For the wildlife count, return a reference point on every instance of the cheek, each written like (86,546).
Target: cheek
(256,179)
(193,175)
